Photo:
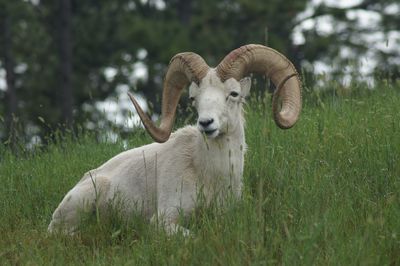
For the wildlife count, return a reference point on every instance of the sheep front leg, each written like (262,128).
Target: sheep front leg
(175,197)
(168,219)
(171,210)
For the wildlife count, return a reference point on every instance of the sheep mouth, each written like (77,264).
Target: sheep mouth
(211,133)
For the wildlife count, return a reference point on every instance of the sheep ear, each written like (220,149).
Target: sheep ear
(192,89)
(245,84)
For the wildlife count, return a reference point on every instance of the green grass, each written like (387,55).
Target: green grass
(326,192)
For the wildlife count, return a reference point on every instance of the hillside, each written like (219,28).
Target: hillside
(325,192)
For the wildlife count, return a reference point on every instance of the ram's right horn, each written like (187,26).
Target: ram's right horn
(183,69)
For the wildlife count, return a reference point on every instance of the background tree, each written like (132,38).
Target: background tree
(65,44)
(354,34)
(7,58)
(15,19)
(58,55)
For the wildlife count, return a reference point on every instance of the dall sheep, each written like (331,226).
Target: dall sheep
(163,179)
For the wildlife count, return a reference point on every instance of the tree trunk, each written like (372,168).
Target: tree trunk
(66,62)
(185,11)
(11,95)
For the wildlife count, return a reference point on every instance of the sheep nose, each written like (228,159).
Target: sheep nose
(206,122)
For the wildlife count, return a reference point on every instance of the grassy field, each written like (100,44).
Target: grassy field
(326,192)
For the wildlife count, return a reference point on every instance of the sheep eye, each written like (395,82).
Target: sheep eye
(234,94)
(192,100)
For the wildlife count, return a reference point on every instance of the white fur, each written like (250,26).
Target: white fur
(160,180)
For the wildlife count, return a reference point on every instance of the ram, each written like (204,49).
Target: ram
(164,179)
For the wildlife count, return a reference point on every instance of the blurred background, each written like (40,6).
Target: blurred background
(67,64)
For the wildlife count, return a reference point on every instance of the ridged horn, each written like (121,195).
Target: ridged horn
(254,58)
(183,69)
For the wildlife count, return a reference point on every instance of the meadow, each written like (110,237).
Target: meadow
(326,192)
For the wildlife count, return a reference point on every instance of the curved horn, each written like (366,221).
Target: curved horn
(183,69)
(253,58)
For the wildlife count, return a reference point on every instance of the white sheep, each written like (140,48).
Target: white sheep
(161,180)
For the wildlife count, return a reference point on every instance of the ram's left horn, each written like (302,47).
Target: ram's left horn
(263,60)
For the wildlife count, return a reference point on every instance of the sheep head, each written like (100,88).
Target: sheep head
(218,93)
(218,103)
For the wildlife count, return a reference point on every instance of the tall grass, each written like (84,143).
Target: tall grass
(325,192)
